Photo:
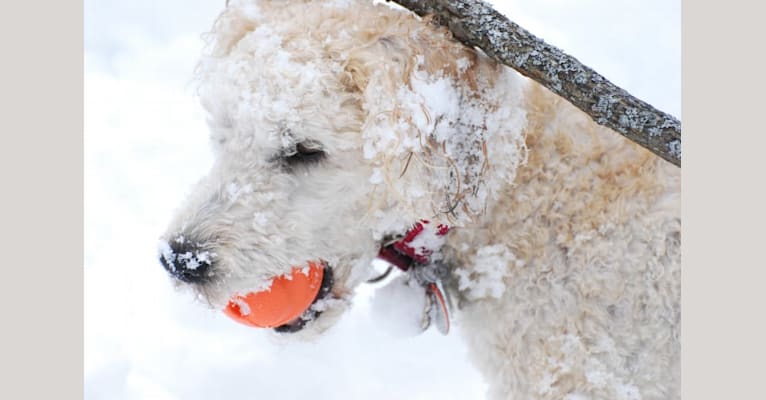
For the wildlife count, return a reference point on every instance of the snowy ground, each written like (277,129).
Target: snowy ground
(145,144)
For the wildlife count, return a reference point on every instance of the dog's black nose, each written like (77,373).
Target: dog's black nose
(186,260)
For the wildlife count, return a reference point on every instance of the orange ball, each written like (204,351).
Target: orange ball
(285,300)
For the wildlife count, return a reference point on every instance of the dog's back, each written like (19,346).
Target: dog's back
(589,235)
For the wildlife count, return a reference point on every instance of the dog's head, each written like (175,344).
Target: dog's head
(334,128)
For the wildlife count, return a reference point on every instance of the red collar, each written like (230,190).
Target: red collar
(417,246)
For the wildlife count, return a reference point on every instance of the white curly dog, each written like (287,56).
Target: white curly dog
(338,124)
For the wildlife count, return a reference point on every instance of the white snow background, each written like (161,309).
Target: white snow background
(146,143)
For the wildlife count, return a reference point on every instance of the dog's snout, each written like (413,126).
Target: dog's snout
(186,260)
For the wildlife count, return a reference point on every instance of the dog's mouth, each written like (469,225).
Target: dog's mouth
(312,312)
(293,300)
(289,302)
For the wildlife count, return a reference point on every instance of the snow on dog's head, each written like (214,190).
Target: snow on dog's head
(335,126)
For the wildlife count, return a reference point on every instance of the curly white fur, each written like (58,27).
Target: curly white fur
(565,246)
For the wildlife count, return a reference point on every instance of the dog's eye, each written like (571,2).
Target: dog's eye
(305,153)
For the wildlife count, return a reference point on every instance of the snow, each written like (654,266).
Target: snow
(485,278)
(438,95)
(244,308)
(190,261)
(399,307)
(164,251)
(628,392)
(428,242)
(377,176)
(146,144)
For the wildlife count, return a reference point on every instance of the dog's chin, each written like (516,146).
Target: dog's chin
(313,329)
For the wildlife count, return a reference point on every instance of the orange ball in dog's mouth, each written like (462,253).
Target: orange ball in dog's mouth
(288,297)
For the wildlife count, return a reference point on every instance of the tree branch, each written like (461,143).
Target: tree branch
(477,24)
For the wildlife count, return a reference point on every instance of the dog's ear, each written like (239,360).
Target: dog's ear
(431,106)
